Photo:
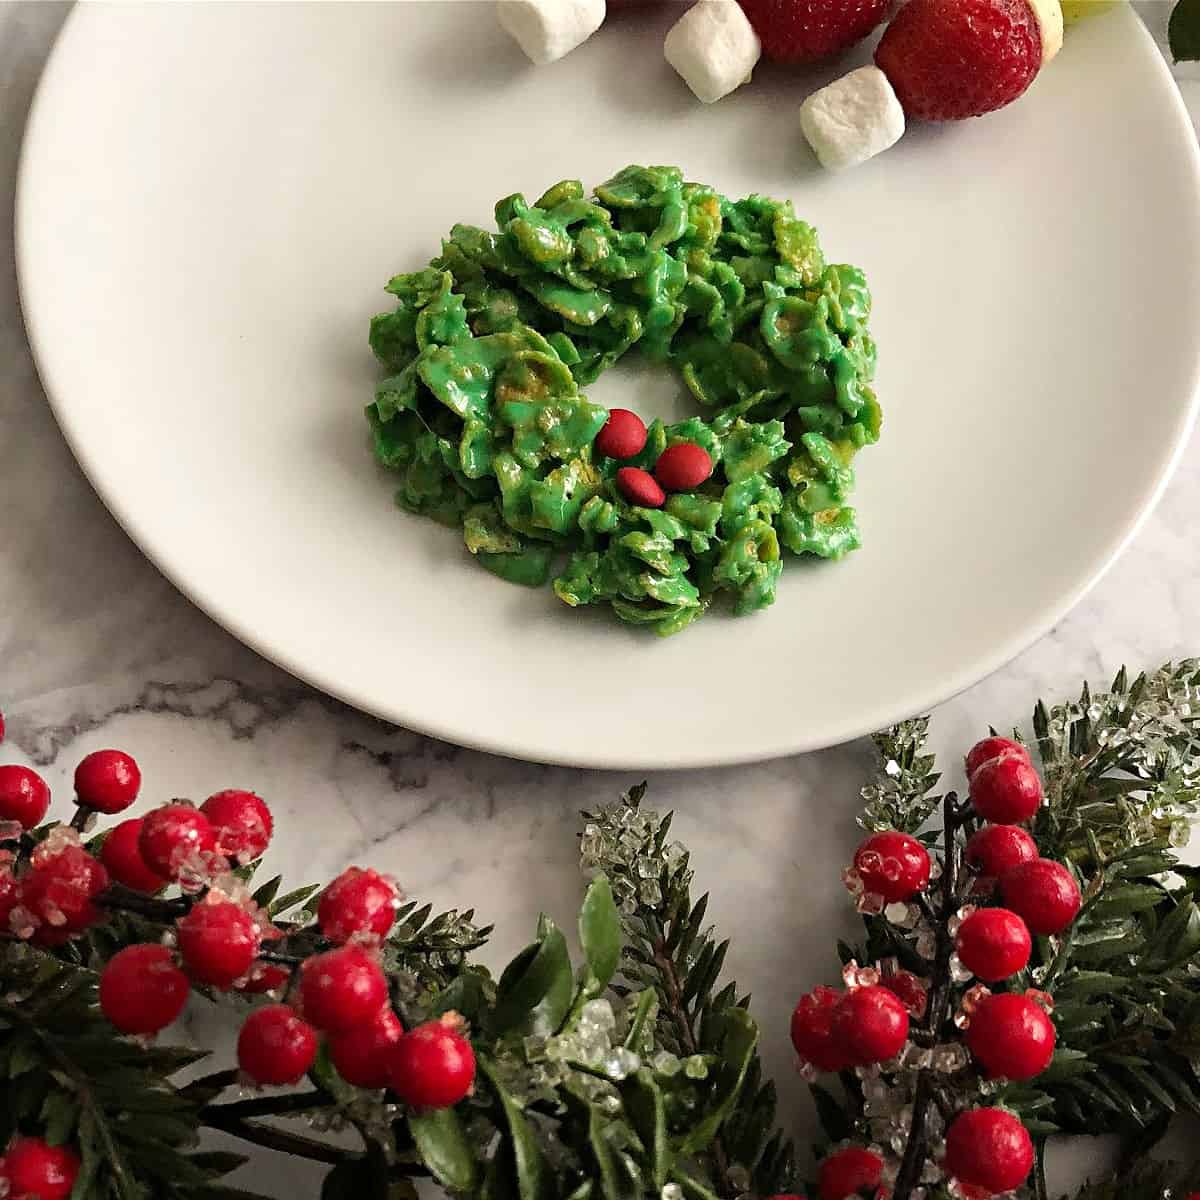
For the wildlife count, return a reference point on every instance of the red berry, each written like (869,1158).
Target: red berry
(910,990)
(361,1055)
(995,849)
(122,856)
(639,487)
(993,747)
(850,1172)
(1006,790)
(59,891)
(623,435)
(275,1046)
(952,59)
(892,865)
(812,1031)
(10,890)
(988,1149)
(264,977)
(342,988)
(218,942)
(37,1171)
(1044,893)
(358,902)
(1011,1037)
(142,990)
(24,796)
(107,781)
(178,839)
(243,824)
(682,467)
(1,727)
(871,1024)
(432,1067)
(799,31)
(993,944)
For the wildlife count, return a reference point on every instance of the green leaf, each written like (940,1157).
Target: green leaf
(1122,899)
(1066,1064)
(648,1115)
(536,988)
(527,1163)
(269,890)
(59,1117)
(835,1120)
(1176,940)
(1183,32)
(736,1054)
(610,1184)
(293,899)
(464,994)
(600,931)
(444,1149)
(643,1014)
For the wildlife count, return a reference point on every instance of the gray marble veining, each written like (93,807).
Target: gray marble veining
(96,648)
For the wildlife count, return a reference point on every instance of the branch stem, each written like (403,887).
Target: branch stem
(937,1012)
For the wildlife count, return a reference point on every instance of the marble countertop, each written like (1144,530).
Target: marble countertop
(97,649)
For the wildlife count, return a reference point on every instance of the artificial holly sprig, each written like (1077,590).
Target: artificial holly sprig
(546,1082)
(1081,928)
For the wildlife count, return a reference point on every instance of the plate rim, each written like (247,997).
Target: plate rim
(447,729)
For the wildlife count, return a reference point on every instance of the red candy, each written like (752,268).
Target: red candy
(107,781)
(432,1067)
(275,1046)
(639,487)
(682,467)
(142,990)
(993,944)
(871,1024)
(623,435)
(1044,893)
(24,796)
(122,856)
(988,1149)
(995,849)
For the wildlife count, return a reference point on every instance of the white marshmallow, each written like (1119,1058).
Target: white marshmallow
(548,29)
(714,47)
(1049,16)
(852,119)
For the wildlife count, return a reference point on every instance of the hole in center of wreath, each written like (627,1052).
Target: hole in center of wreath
(647,388)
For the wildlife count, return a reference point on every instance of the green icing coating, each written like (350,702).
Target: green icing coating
(482,418)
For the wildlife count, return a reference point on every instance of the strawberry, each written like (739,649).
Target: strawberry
(799,31)
(952,59)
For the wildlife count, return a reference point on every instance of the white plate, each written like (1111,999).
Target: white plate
(213,196)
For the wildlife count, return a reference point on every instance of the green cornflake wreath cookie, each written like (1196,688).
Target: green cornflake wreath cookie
(482,418)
